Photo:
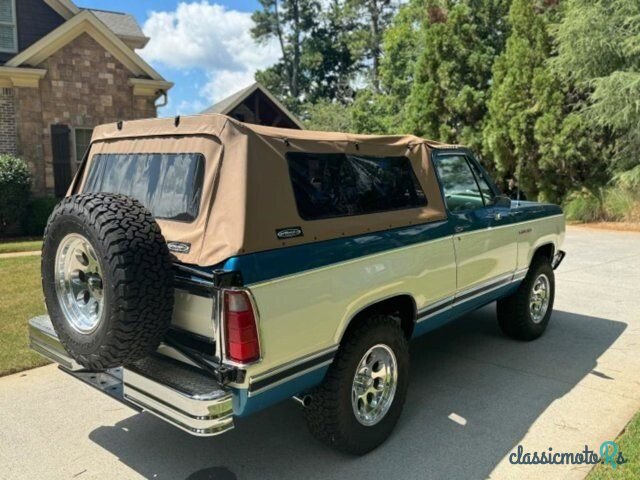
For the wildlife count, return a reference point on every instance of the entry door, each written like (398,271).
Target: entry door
(61,148)
(485,245)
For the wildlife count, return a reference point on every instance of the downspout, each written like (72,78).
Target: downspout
(165,99)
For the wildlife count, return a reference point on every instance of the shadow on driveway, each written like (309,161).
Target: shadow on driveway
(498,385)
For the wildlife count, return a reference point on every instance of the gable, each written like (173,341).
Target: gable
(84,22)
(255,104)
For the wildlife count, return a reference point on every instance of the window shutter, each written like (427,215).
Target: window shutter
(61,146)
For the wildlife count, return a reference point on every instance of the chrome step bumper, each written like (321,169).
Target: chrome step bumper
(180,394)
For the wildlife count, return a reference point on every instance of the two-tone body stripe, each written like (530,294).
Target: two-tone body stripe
(289,371)
(470,294)
(271,264)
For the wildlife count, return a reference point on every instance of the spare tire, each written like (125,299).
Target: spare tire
(107,279)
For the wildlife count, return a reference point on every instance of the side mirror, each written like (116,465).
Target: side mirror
(502,201)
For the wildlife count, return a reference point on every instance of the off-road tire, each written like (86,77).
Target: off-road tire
(137,278)
(514,316)
(330,415)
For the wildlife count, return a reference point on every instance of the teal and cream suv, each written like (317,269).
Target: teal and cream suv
(203,269)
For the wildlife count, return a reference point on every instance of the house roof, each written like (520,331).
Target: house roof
(123,25)
(85,22)
(226,105)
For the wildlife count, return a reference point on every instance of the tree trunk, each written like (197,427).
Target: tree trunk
(296,49)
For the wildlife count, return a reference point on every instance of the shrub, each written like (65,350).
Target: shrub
(614,204)
(15,190)
(36,219)
(583,206)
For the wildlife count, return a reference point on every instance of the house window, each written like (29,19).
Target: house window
(82,141)
(8,29)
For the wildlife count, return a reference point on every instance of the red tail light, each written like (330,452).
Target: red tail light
(241,329)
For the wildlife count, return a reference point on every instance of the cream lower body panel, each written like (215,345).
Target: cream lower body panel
(308,312)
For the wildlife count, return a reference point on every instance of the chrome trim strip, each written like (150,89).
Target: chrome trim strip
(520,274)
(469,294)
(434,306)
(485,284)
(483,291)
(293,363)
(277,372)
(252,393)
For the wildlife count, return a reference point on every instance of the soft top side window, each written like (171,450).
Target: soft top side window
(332,185)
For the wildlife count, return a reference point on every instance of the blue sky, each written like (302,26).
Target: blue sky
(203,46)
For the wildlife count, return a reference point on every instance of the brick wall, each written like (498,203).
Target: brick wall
(8,132)
(85,86)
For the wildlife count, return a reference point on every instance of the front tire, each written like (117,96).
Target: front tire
(361,398)
(525,314)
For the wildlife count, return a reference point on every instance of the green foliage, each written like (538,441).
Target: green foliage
(513,107)
(328,116)
(35,221)
(629,179)
(289,21)
(599,48)
(325,47)
(375,113)
(370,19)
(15,188)
(459,42)
(546,90)
(610,204)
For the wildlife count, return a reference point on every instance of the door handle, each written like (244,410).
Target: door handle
(459,229)
(495,216)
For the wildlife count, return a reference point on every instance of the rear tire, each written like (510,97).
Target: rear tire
(107,279)
(337,414)
(525,314)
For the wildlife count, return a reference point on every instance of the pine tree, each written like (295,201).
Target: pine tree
(459,44)
(509,136)
(599,49)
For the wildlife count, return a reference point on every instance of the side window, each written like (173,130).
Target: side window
(485,189)
(461,190)
(331,185)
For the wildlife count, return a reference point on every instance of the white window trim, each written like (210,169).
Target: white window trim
(74,145)
(14,24)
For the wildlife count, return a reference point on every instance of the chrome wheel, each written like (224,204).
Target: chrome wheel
(539,298)
(374,385)
(79,289)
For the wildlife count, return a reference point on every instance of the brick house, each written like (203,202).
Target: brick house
(64,70)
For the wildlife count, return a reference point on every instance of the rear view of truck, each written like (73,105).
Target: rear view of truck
(202,269)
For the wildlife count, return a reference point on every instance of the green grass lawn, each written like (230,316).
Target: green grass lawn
(20,299)
(629,444)
(26,245)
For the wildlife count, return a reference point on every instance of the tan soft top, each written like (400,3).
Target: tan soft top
(247,194)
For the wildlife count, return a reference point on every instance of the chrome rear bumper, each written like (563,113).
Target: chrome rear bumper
(180,394)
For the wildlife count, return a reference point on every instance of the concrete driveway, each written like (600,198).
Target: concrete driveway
(578,385)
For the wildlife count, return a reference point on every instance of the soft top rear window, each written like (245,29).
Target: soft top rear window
(168,184)
(331,185)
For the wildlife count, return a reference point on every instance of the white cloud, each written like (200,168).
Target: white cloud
(212,38)
(224,82)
